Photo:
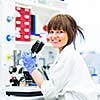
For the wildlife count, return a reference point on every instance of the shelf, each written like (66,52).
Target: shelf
(37,8)
(22,45)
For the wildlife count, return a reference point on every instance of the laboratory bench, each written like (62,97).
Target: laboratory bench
(98,91)
(22,93)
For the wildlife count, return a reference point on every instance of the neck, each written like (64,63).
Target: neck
(60,49)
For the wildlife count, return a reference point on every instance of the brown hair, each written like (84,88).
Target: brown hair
(66,23)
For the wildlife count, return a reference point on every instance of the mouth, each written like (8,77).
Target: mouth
(56,41)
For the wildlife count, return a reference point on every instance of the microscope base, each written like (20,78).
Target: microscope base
(27,91)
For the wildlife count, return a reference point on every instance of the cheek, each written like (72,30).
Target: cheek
(64,38)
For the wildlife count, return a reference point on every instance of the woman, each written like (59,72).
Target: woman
(69,75)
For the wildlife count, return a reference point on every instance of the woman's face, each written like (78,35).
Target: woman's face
(58,38)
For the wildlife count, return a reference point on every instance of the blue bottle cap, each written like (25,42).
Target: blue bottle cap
(94,74)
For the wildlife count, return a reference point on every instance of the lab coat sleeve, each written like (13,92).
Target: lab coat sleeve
(48,90)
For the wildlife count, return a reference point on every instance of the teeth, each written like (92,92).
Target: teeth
(55,41)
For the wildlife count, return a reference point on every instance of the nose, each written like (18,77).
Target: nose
(54,34)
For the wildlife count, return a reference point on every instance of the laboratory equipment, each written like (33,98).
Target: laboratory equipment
(15,36)
(37,46)
(29,82)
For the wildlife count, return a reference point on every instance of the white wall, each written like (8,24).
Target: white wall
(6,48)
(86,12)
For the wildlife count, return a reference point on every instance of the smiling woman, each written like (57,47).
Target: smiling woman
(69,77)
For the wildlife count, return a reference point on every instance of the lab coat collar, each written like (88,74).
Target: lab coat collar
(63,52)
(67,48)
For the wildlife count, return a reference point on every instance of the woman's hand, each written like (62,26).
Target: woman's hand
(29,61)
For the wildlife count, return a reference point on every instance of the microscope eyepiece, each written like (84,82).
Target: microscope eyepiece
(37,46)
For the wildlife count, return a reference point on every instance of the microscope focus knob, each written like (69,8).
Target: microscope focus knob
(12,69)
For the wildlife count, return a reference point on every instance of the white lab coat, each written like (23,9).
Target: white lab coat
(69,78)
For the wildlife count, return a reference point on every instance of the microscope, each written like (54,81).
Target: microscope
(25,85)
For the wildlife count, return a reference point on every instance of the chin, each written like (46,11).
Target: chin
(55,46)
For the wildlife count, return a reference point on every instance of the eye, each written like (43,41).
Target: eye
(61,31)
(51,32)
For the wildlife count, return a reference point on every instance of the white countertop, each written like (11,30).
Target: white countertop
(98,89)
